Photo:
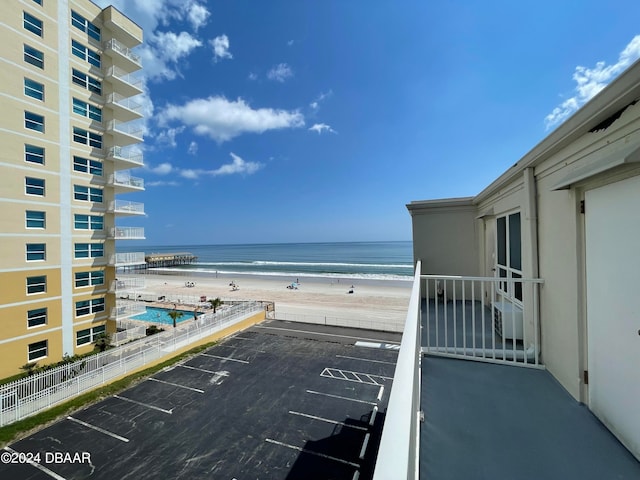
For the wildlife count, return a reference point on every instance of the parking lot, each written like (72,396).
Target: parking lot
(277,401)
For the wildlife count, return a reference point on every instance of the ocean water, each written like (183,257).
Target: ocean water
(356,260)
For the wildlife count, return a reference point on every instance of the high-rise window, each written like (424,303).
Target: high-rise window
(37,350)
(36,284)
(85,109)
(88,222)
(36,251)
(33,56)
(89,335)
(33,121)
(87,165)
(85,25)
(86,81)
(34,186)
(36,317)
(88,279)
(35,219)
(85,53)
(88,250)
(87,307)
(33,154)
(33,89)
(33,24)
(87,194)
(80,135)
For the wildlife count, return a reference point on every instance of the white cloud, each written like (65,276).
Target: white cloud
(193,148)
(164,52)
(315,105)
(197,14)
(590,81)
(290,43)
(222,119)
(253,76)
(220,46)
(321,127)
(162,169)
(280,72)
(168,136)
(237,166)
(161,183)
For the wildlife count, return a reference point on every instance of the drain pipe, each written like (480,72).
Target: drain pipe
(531,217)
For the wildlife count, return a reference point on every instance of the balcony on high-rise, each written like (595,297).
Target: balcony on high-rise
(125,157)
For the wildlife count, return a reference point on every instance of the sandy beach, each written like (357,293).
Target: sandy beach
(374,302)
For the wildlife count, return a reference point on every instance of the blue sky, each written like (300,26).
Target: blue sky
(317,121)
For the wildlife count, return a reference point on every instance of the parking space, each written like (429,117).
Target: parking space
(279,400)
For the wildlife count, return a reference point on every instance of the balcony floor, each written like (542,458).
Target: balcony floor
(487,421)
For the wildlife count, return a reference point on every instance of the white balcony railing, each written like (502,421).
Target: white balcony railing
(127,259)
(127,309)
(132,107)
(125,180)
(126,284)
(398,454)
(127,233)
(129,83)
(129,155)
(114,45)
(482,318)
(125,207)
(130,129)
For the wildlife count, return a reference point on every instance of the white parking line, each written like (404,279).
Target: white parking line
(243,338)
(383,345)
(144,404)
(176,385)
(341,398)
(300,449)
(357,377)
(334,422)
(366,359)
(223,358)
(196,368)
(101,430)
(325,334)
(37,465)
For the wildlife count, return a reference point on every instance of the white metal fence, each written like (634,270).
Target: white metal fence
(28,396)
(353,322)
(398,455)
(489,319)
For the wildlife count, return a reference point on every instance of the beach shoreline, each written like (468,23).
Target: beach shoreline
(382,302)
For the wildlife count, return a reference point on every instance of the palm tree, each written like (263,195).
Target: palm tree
(175,315)
(215,303)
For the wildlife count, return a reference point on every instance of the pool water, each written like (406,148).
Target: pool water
(161,315)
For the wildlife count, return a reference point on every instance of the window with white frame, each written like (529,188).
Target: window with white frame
(36,317)
(86,81)
(37,284)
(85,53)
(33,24)
(33,56)
(88,250)
(37,350)
(85,25)
(39,2)
(89,335)
(88,307)
(80,135)
(89,279)
(33,89)
(87,165)
(509,255)
(33,154)
(34,186)
(33,121)
(35,219)
(87,110)
(36,252)
(87,194)
(88,222)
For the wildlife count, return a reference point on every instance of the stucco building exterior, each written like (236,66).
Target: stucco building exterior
(68,132)
(568,212)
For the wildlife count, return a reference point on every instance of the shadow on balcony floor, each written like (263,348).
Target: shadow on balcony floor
(486,421)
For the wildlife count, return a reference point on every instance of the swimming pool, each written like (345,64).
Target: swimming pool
(161,315)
